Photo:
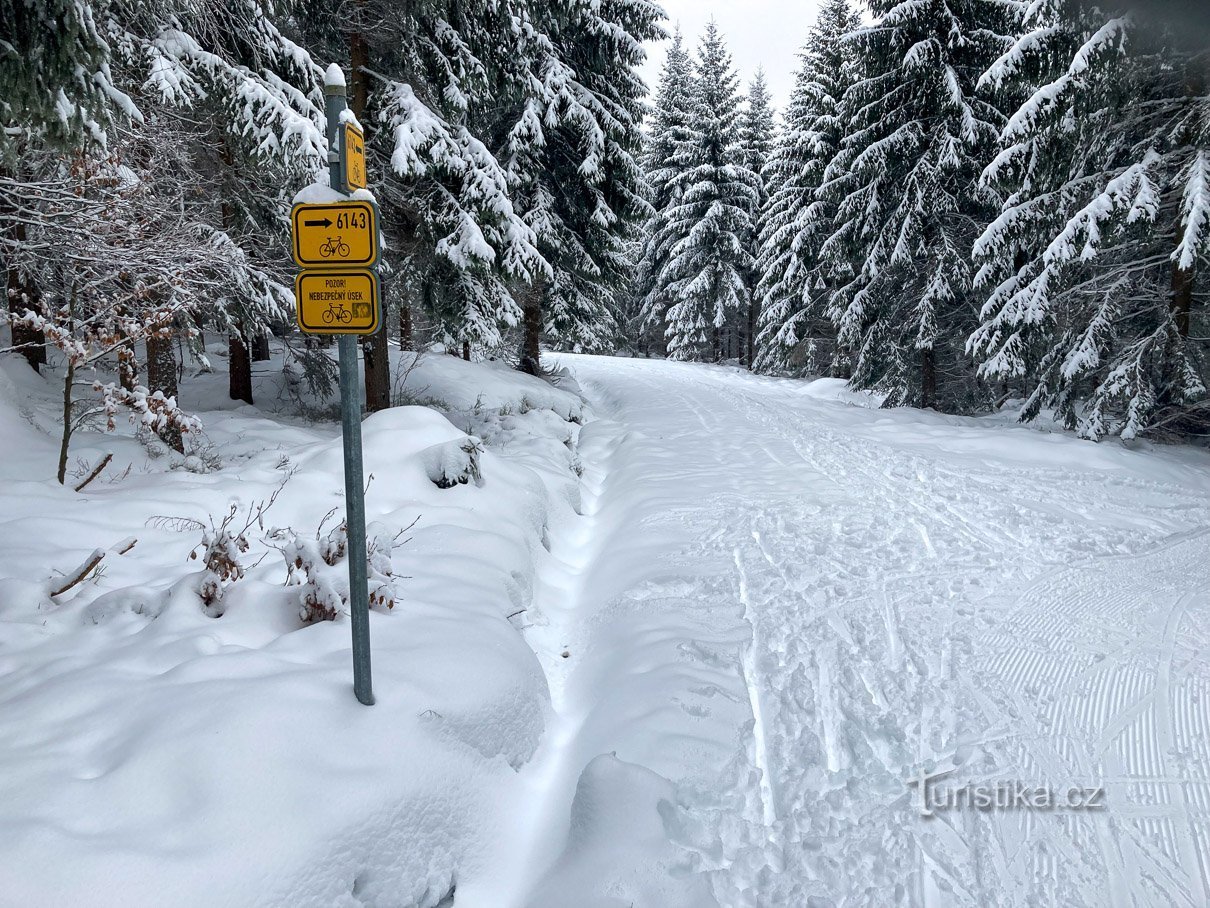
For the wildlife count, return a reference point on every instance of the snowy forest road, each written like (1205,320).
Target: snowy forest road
(788,606)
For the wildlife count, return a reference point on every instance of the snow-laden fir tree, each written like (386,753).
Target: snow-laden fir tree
(440,89)
(575,171)
(260,93)
(706,227)
(757,134)
(247,87)
(917,137)
(1095,268)
(668,132)
(794,334)
(54,66)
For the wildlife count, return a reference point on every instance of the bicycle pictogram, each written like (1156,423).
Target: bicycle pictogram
(337,313)
(335,246)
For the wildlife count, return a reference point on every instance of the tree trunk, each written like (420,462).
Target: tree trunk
(405,326)
(377,356)
(466,350)
(68,387)
(260,348)
(928,379)
(753,317)
(375,350)
(240,365)
(531,330)
(68,382)
(23,297)
(161,376)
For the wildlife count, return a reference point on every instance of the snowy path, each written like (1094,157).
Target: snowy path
(789,606)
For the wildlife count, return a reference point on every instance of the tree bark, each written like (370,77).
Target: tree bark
(375,350)
(928,379)
(376,353)
(405,326)
(260,348)
(240,365)
(531,330)
(69,380)
(161,376)
(753,318)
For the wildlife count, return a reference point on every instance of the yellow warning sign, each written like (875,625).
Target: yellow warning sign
(335,235)
(354,156)
(337,302)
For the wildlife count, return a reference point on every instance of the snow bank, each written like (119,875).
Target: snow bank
(619,849)
(150,754)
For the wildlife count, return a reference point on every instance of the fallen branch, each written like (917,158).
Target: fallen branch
(105,461)
(83,572)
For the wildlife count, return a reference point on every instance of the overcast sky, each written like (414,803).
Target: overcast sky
(766,33)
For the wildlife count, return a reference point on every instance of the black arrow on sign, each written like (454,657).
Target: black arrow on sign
(324,223)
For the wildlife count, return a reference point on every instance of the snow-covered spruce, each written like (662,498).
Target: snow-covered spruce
(917,135)
(705,230)
(1090,269)
(795,334)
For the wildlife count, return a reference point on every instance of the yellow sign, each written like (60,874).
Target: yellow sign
(353,144)
(337,302)
(337,235)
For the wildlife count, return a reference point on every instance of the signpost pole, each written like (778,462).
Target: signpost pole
(350,412)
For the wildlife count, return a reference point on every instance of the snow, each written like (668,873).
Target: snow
(319,194)
(334,76)
(186,760)
(681,646)
(881,591)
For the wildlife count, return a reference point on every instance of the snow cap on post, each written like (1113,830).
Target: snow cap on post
(334,80)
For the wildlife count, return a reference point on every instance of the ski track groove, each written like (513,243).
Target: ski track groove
(895,610)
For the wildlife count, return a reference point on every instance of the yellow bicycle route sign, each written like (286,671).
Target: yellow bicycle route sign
(353,141)
(336,235)
(337,302)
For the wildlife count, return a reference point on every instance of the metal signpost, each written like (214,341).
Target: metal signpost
(337,294)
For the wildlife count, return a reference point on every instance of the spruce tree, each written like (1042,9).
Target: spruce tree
(664,169)
(794,329)
(706,227)
(757,134)
(575,168)
(445,84)
(1094,269)
(909,205)
(55,69)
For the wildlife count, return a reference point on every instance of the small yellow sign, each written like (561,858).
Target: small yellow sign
(353,153)
(337,302)
(336,235)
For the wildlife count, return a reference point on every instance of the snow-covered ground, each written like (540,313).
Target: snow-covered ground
(691,653)
(788,606)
